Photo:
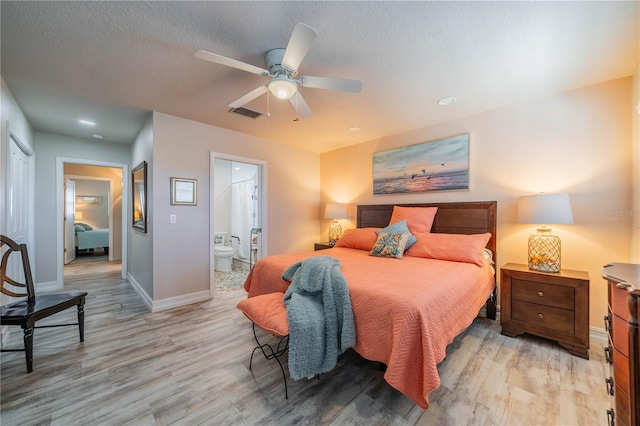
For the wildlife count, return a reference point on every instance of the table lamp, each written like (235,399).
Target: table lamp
(543,209)
(335,211)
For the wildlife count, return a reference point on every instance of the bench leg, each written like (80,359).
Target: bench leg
(81,321)
(28,348)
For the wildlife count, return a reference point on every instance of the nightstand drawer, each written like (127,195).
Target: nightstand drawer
(555,296)
(543,316)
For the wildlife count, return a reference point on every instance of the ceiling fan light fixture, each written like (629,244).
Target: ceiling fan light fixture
(282,87)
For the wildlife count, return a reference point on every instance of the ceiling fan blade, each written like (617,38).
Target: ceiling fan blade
(329,83)
(300,42)
(223,60)
(249,97)
(300,105)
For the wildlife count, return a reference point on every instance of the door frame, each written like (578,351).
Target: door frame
(60,161)
(262,203)
(110,201)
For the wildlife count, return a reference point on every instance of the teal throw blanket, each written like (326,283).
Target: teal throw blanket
(320,316)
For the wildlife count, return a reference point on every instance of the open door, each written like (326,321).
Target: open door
(69,220)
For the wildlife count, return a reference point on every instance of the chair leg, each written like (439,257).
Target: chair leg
(81,321)
(28,348)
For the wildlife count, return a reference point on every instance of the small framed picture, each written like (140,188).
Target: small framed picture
(184,192)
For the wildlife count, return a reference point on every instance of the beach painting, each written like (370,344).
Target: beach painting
(439,165)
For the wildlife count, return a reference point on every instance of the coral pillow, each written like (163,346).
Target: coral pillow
(456,247)
(360,238)
(419,219)
(390,245)
(267,311)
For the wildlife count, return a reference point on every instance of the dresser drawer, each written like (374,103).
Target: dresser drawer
(555,296)
(622,407)
(621,370)
(620,302)
(620,334)
(543,316)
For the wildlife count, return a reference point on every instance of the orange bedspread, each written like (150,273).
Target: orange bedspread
(406,310)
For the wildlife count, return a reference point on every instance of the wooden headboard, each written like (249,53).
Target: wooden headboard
(473,217)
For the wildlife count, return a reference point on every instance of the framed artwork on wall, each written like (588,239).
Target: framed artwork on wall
(439,165)
(184,192)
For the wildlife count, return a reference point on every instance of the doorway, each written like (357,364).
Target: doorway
(237,238)
(112,204)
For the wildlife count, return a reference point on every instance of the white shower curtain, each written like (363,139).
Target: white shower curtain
(242,215)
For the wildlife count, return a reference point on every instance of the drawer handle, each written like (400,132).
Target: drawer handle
(611,417)
(607,355)
(610,386)
(540,294)
(540,315)
(607,323)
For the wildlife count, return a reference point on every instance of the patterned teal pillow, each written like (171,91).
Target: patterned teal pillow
(390,245)
(400,228)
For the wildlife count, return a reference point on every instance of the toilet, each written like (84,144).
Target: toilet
(222,254)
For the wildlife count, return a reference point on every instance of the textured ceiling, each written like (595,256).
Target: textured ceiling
(113,62)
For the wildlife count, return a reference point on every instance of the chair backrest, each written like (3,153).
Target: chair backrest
(10,286)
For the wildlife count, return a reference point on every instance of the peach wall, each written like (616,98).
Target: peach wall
(635,114)
(577,142)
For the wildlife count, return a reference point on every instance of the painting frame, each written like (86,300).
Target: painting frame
(184,191)
(88,200)
(436,165)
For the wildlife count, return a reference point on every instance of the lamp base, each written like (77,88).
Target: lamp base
(544,253)
(335,232)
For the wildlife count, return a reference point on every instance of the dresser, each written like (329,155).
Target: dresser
(551,305)
(623,352)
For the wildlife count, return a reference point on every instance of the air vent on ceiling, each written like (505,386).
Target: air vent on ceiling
(246,112)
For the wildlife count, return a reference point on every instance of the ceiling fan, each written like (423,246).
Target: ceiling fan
(282,68)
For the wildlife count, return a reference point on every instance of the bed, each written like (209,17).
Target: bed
(408,310)
(88,238)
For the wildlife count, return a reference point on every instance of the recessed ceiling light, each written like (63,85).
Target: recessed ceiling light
(97,136)
(87,122)
(354,129)
(447,101)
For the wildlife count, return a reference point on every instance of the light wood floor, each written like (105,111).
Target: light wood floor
(189,366)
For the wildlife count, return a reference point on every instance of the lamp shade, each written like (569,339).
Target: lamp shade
(282,87)
(335,211)
(79,215)
(545,209)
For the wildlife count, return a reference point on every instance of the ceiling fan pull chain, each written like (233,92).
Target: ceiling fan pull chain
(268,109)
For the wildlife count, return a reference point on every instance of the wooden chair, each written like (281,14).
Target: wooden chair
(26,312)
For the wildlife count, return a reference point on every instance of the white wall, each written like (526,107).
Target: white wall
(10,112)
(181,148)
(577,142)
(140,248)
(48,148)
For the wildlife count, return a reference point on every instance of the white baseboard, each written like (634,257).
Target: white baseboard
(143,294)
(174,302)
(598,335)
(169,303)
(47,286)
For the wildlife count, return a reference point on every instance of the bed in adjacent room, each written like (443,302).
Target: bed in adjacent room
(89,238)
(410,304)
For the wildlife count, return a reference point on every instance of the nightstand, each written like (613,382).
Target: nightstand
(321,246)
(550,305)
